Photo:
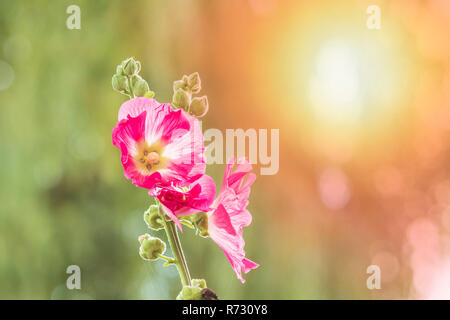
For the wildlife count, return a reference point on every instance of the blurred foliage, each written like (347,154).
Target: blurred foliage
(63,197)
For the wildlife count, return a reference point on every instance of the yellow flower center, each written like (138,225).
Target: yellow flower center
(148,158)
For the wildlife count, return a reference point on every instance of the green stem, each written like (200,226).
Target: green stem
(168,259)
(131,88)
(175,244)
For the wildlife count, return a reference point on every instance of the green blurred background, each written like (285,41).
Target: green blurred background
(343,199)
(63,196)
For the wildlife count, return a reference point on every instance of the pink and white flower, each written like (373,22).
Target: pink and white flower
(230,215)
(227,214)
(179,202)
(159,146)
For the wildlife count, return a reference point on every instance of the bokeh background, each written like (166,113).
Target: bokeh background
(364,120)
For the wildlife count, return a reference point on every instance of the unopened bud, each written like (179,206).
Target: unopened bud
(134,79)
(181,99)
(194,82)
(190,293)
(119,83)
(197,291)
(130,66)
(151,247)
(138,66)
(200,221)
(119,70)
(201,283)
(180,84)
(153,219)
(140,88)
(199,106)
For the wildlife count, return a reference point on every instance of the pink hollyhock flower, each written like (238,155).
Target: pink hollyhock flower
(159,146)
(179,202)
(227,215)
(230,215)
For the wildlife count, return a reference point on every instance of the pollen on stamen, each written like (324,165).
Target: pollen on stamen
(153,157)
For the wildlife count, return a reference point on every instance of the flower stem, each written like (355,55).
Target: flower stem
(131,88)
(175,244)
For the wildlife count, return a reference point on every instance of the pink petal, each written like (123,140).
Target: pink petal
(136,106)
(128,131)
(181,203)
(187,155)
(230,216)
(221,223)
(205,197)
(173,217)
(173,127)
(221,230)
(249,265)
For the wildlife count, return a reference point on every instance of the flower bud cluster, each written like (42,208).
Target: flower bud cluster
(182,95)
(127,80)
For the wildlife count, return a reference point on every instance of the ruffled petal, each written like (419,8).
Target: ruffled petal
(128,131)
(249,265)
(172,216)
(236,191)
(187,155)
(181,203)
(136,106)
(225,224)
(222,231)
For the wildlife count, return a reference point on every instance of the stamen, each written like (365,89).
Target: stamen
(149,167)
(153,157)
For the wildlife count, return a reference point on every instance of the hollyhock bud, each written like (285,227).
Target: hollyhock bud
(119,70)
(181,99)
(194,82)
(181,84)
(197,291)
(153,219)
(151,247)
(199,107)
(201,283)
(119,83)
(131,66)
(190,293)
(140,87)
(200,221)
(134,79)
